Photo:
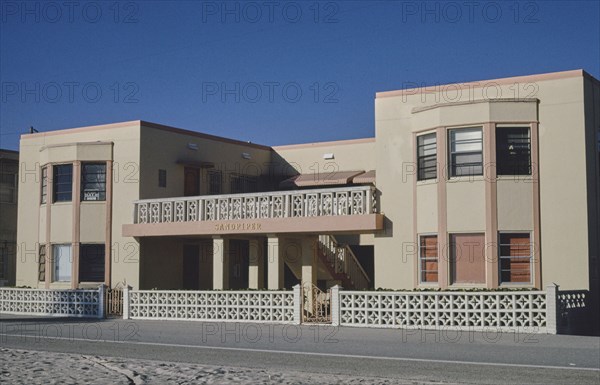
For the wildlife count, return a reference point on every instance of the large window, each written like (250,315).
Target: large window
(3,262)
(428,259)
(61,254)
(427,157)
(467,258)
(215,182)
(465,152)
(91,263)
(8,187)
(515,258)
(513,151)
(42,264)
(63,183)
(44,191)
(93,181)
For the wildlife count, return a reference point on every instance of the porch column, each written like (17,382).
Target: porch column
(256,270)
(275,248)
(309,261)
(309,270)
(220,263)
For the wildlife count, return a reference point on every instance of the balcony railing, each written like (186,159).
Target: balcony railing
(356,200)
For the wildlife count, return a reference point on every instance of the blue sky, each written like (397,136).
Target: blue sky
(271,72)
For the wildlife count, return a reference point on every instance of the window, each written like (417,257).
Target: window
(428,259)
(44,192)
(61,254)
(3,262)
(467,258)
(63,183)
(515,258)
(243,184)
(466,155)
(91,263)
(513,151)
(93,182)
(215,182)
(162,178)
(8,187)
(427,157)
(42,264)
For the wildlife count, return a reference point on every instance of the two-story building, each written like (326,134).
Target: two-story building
(487,184)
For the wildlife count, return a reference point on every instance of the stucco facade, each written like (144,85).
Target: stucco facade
(188,210)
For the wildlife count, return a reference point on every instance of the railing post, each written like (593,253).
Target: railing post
(126,300)
(369,201)
(335,305)
(101,300)
(552,308)
(297,305)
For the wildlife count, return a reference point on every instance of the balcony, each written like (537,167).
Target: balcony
(343,209)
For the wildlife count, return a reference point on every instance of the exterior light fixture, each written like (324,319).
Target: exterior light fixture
(245,155)
(328,155)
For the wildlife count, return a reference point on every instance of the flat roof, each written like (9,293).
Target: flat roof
(143,123)
(482,83)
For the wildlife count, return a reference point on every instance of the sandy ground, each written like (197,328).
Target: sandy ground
(35,367)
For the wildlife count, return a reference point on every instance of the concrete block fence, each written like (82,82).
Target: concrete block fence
(62,303)
(528,311)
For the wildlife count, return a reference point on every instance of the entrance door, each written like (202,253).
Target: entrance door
(467,258)
(191,181)
(191,267)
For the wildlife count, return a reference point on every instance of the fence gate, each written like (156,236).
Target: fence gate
(113,301)
(316,304)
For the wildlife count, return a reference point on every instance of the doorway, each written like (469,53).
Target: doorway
(191,181)
(191,267)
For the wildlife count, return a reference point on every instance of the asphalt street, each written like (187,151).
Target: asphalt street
(420,356)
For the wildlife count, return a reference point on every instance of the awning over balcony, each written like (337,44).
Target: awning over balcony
(367,177)
(321,179)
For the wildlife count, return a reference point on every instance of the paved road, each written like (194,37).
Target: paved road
(422,356)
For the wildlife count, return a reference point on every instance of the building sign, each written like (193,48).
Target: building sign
(91,195)
(250,226)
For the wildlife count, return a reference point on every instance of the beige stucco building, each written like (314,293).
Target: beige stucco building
(476,185)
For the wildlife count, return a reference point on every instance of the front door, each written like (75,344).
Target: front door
(191,267)
(191,182)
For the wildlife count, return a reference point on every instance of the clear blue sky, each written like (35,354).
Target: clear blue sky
(235,68)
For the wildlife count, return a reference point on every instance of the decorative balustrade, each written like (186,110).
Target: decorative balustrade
(68,303)
(239,306)
(358,200)
(343,261)
(493,311)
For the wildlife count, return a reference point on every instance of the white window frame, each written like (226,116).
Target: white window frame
(449,132)
(56,262)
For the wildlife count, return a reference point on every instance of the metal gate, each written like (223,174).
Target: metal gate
(316,304)
(113,301)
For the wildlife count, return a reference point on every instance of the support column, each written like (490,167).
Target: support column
(275,262)
(309,262)
(256,270)
(76,200)
(491,206)
(443,241)
(220,263)
(309,271)
(49,197)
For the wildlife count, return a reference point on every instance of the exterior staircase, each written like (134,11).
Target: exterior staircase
(342,264)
